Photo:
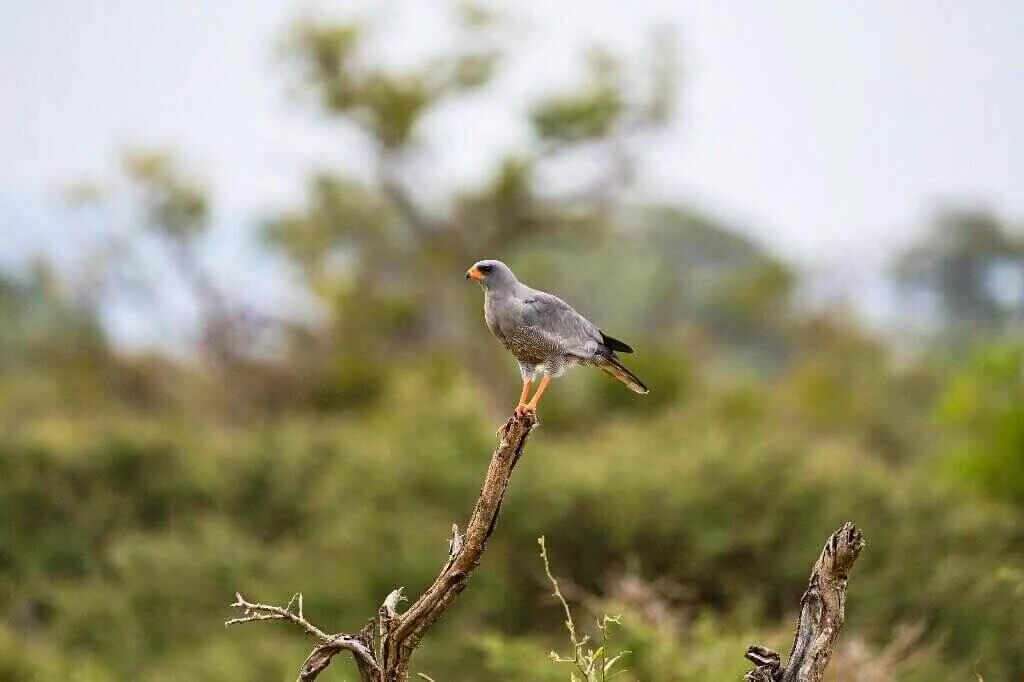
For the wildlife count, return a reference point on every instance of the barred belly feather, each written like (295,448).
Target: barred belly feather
(529,345)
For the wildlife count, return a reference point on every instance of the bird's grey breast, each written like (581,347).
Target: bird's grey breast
(494,314)
(505,317)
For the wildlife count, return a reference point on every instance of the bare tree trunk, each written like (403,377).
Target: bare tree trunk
(383,649)
(822,613)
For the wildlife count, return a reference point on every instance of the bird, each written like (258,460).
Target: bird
(544,333)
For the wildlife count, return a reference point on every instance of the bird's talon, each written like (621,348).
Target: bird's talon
(524,409)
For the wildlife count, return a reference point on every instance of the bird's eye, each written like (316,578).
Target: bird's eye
(485,268)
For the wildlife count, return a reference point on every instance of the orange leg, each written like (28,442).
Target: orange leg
(541,387)
(521,407)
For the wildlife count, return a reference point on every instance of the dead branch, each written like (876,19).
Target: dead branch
(383,649)
(822,613)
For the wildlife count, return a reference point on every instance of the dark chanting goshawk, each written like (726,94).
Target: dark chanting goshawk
(544,333)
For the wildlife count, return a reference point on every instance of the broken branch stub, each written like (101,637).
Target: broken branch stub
(822,614)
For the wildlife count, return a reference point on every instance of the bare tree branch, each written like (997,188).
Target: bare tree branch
(398,634)
(822,613)
(329,645)
(397,649)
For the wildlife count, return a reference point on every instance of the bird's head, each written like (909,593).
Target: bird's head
(491,274)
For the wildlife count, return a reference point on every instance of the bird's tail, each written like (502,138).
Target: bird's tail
(611,365)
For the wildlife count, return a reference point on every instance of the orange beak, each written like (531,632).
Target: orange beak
(474,274)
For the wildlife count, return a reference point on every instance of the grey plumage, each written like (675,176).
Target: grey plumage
(544,333)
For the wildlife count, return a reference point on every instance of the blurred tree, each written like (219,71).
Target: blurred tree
(167,208)
(710,275)
(385,265)
(175,209)
(34,312)
(52,344)
(383,261)
(970,267)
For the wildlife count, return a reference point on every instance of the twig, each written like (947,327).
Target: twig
(570,625)
(253,611)
(594,665)
(328,646)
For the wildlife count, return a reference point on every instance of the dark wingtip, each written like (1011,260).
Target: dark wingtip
(615,345)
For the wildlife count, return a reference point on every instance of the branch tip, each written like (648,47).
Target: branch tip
(390,606)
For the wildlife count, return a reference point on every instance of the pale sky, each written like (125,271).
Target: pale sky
(827,129)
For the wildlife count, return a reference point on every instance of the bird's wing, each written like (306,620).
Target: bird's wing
(561,324)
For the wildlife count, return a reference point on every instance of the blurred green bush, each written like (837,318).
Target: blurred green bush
(125,538)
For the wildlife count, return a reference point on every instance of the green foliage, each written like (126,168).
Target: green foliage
(53,349)
(389,104)
(588,114)
(173,205)
(612,99)
(717,503)
(983,409)
(343,216)
(35,313)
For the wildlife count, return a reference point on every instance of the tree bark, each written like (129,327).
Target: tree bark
(822,613)
(383,649)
